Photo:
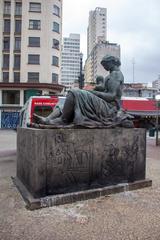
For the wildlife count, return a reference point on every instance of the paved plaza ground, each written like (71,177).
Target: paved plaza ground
(126,216)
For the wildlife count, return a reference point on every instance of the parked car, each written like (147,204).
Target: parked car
(41,105)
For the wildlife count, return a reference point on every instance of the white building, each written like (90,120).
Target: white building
(97,29)
(93,67)
(70,60)
(30,47)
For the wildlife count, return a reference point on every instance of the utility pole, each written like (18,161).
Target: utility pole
(133,62)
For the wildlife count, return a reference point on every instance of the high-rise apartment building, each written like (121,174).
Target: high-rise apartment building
(97,29)
(30,48)
(93,67)
(97,46)
(70,60)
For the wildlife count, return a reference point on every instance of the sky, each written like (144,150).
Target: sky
(134,24)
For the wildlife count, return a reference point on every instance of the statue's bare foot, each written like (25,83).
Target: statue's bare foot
(39,119)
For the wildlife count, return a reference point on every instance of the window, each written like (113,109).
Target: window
(56,10)
(17,44)
(33,59)
(6,43)
(55,27)
(10,97)
(17,26)
(35,24)
(7,25)
(5,76)
(7,8)
(34,41)
(6,61)
(17,59)
(16,76)
(54,78)
(55,44)
(34,7)
(18,9)
(33,77)
(55,61)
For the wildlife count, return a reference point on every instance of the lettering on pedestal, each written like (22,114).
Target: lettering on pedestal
(69,155)
(119,161)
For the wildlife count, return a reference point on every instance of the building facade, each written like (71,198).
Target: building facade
(93,67)
(139,90)
(70,60)
(97,46)
(30,47)
(156,83)
(97,30)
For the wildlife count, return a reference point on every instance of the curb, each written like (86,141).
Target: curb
(8,153)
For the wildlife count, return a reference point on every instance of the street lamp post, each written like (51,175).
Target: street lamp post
(157,97)
(133,62)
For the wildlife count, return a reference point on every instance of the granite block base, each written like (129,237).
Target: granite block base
(53,162)
(60,199)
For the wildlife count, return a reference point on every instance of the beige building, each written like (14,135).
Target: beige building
(30,46)
(97,29)
(97,46)
(93,68)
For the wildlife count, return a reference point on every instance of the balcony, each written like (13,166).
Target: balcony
(6,33)
(6,50)
(18,13)
(6,15)
(17,50)
(5,68)
(7,12)
(17,33)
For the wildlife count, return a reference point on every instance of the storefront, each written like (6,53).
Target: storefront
(14,95)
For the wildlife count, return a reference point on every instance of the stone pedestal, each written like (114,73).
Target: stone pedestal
(59,161)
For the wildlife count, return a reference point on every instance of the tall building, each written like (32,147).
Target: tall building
(97,29)
(97,46)
(30,47)
(70,60)
(93,67)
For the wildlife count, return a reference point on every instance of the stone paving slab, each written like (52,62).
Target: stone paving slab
(124,216)
(7,153)
(8,140)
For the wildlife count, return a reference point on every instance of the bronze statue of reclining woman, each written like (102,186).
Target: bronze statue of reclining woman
(98,107)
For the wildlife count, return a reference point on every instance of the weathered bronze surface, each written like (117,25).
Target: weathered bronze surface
(53,161)
(99,107)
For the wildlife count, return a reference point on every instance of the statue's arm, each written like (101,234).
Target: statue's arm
(112,91)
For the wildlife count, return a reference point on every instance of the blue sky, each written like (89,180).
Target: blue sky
(134,24)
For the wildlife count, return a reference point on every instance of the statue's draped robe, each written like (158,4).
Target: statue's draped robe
(91,110)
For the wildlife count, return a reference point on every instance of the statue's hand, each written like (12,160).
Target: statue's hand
(99,88)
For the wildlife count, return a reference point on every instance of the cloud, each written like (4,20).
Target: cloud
(134,24)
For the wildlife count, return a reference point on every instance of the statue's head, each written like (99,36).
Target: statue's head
(99,79)
(108,62)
